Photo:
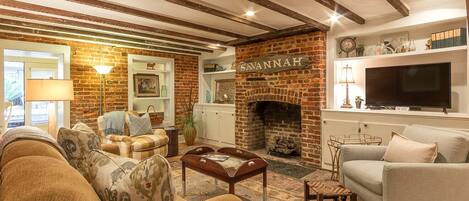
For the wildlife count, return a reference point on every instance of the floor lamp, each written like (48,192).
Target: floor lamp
(346,78)
(102,71)
(51,90)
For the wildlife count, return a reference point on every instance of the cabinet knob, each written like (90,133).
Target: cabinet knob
(216,113)
(232,114)
(324,122)
(365,125)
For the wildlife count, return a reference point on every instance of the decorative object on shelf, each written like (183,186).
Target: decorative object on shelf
(210,68)
(151,66)
(272,64)
(208,96)
(449,38)
(347,78)
(51,90)
(360,51)
(428,45)
(220,68)
(358,102)
(189,132)
(225,91)
(233,66)
(155,117)
(164,91)
(396,42)
(347,45)
(146,85)
(412,46)
(389,49)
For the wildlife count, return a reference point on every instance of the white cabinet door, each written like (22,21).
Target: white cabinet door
(382,130)
(227,127)
(212,125)
(332,127)
(199,118)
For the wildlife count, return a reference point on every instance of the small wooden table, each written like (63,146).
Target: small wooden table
(240,165)
(321,190)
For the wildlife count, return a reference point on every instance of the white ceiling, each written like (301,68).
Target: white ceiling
(368,9)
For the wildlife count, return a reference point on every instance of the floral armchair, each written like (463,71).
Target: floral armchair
(136,147)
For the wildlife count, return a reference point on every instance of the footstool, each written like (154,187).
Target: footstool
(320,190)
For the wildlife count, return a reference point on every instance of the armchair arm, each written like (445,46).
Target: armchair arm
(159,132)
(425,181)
(361,152)
(119,138)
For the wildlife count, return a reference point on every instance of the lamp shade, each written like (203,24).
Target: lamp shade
(49,90)
(103,69)
(346,75)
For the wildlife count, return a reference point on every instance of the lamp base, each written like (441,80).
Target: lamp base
(52,121)
(348,106)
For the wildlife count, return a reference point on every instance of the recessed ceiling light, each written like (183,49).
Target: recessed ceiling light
(335,18)
(250,13)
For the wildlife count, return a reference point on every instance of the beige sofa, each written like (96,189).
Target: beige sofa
(138,147)
(364,171)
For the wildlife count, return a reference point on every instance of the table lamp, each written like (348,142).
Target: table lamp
(346,78)
(49,90)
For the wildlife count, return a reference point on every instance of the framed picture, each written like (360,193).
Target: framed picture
(225,91)
(146,85)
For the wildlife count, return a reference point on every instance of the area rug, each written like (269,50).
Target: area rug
(291,170)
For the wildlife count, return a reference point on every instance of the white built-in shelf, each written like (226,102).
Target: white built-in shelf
(152,98)
(414,53)
(216,104)
(404,113)
(220,72)
(150,71)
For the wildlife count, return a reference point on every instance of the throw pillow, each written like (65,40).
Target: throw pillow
(401,149)
(77,142)
(119,178)
(140,125)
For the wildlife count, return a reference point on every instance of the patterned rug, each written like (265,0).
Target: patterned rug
(281,187)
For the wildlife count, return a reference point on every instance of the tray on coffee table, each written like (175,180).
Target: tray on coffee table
(237,165)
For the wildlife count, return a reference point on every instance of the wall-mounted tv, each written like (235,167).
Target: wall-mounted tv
(424,85)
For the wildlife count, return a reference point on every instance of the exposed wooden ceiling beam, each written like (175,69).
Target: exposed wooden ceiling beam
(157,17)
(49,19)
(212,11)
(51,34)
(301,29)
(54,11)
(290,13)
(98,34)
(399,6)
(336,7)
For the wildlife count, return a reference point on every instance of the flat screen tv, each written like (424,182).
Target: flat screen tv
(424,85)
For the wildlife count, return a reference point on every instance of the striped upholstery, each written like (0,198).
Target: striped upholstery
(137,147)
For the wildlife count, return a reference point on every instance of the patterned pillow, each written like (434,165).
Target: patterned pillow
(119,178)
(140,125)
(77,142)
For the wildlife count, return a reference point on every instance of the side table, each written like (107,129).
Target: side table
(173,144)
(321,190)
(336,142)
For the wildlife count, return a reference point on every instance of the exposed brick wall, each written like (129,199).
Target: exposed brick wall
(85,107)
(306,87)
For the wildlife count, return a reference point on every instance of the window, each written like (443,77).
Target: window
(26,113)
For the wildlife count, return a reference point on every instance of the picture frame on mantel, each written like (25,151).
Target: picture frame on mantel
(146,85)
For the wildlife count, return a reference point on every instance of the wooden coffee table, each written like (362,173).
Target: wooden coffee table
(320,190)
(240,165)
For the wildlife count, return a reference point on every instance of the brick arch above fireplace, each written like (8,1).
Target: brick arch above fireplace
(274,94)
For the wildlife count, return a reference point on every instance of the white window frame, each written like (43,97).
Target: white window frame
(62,51)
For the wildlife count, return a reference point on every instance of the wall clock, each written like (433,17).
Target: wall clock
(348,45)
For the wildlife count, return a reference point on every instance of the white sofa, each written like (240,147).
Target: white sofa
(364,172)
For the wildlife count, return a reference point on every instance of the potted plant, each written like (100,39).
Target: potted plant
(358,102)
(360,50)
(188,130)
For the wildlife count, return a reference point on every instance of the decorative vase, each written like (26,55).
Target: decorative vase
(164,91)
(358,104)
(190,133)
(208,97)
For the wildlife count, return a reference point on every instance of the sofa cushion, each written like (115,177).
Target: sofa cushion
(42,178)
(402,149)
(24,147)
(366,173)
(120,178)
(453,145)
(146,142)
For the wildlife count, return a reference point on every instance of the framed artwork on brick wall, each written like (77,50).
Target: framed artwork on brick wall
(146,85)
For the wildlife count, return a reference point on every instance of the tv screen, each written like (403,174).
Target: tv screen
(425,85)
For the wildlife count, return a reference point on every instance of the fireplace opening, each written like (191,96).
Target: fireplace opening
(277,126)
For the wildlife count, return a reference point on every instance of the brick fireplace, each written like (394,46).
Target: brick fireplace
(263,99)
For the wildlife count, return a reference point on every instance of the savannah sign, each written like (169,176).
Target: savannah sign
(274,64)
